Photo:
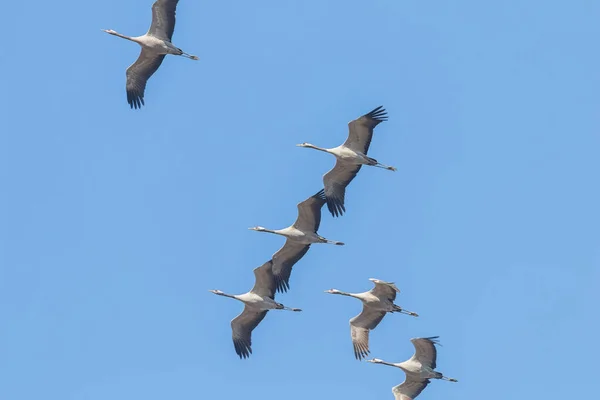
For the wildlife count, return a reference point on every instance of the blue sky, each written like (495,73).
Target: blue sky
(114,223)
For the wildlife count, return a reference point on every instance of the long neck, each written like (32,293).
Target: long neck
(312,146)
(389,364)
(270,231)
(123,36)
(232,296)
(345,294)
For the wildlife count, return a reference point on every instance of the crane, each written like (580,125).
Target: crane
(258,302)
(299,237)
(377,302)
(156,44)
(419,369)
(351,156)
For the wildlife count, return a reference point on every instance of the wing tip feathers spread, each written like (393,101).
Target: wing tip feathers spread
(281,284)
(378,114)
(242,348)
(335,206)
(135,100)
(360,351)
(433,339)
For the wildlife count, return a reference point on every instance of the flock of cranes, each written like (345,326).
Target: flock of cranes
(274,275)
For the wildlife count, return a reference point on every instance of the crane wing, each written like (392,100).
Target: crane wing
(242,327)
(425,351)
(360,130)
(360,326)
(163,19)
(309,212)
(284,260)
(335,182)
(138,74)
(264,284)
(409,389)
(385,290)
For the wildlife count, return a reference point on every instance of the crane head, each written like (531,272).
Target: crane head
(258,229)
(332,291)
(215,291)
(375,361)
(304,144)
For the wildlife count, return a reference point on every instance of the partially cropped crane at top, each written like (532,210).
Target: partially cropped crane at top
(299,236)
(156,44)
(258,302)
(419,369)
(351,156)
(376,303)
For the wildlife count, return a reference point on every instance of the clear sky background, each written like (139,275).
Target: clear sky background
(114,223)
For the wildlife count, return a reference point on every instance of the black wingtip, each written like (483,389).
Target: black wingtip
(434,340)
(378,114)
(281,285)
(281,288)
(243,350)
(335,207)
(360,353)
(135,100)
